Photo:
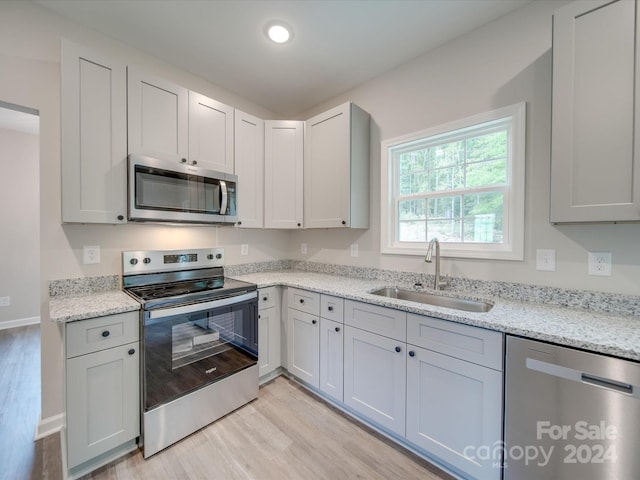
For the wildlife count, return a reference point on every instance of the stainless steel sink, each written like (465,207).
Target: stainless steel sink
(436,300)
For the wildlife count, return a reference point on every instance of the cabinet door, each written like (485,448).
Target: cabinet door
(158,117)
(336,154)
(94,137)
(103,402)
(454,408)
(375,377)
(595,171)
(210,134)
(303,345)
(268,341)
(249,167)
(331,358)
(283,162)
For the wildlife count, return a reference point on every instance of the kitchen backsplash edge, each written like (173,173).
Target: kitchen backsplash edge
(582,299)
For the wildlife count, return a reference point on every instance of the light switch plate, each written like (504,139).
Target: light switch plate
(303,248)
(546,260)
(354,249)
(244,249)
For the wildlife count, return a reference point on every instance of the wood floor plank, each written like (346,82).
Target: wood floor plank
(286,434)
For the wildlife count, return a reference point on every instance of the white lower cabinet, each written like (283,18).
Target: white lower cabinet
(375,377)
(269,358)
(454,411)
(331,358)
(103,385)
(303,346)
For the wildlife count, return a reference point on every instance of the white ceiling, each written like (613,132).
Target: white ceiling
(337,44)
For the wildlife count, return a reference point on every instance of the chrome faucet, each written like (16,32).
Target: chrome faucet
(427,258)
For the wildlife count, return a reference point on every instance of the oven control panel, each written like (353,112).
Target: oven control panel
(151,261)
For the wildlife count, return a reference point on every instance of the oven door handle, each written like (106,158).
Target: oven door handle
(198,307)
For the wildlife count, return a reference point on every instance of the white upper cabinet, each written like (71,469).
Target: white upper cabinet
(158,117)
(169,122)
(210,133)
(336,168)
(283,163)
(595,166)
(249,167)
(94,137)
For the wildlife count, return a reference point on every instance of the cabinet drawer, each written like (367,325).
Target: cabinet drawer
(372,318)
(87,336)
(304,301)
(332,308)
(267,297)
(473,344)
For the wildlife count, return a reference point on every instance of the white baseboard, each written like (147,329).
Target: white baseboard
(49,426)
(21,322)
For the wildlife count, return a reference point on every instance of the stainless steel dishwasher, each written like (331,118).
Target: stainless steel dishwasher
(570,414)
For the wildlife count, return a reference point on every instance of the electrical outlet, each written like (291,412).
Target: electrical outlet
(546,260)
(599,263)
(354,249)
(244,249)
(91,254)
(5,301)
(303,248)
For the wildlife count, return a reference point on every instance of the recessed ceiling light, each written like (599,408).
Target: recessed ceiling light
(278,32)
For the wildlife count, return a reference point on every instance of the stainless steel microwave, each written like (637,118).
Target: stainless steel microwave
(161,191)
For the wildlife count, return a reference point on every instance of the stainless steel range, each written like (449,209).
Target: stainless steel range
(200,341)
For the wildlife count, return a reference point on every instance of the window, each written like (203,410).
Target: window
(462,183)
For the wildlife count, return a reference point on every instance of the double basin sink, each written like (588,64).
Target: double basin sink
(436,300)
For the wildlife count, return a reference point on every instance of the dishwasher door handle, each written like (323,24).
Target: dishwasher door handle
(579,376)
(607,383)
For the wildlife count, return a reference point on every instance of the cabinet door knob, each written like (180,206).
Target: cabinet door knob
(120,217)
(264,299)
(330,308)
(183,160)
(299,225)
(239,222)
(106,333)
(344,222)
(258,317)
(314,322)
(132,351)
(337,329)
(195,162)
(398,349)
(412,353)
(302,300)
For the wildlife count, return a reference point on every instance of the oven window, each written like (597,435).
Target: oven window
(188,351)
(158,189)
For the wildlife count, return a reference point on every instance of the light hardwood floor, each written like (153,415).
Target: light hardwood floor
(287,433)
(21,457)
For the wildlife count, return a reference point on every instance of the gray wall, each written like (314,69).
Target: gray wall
(505,62)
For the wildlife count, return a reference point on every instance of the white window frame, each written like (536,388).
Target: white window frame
(514,201)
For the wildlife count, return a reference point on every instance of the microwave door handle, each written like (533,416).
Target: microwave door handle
(223,197)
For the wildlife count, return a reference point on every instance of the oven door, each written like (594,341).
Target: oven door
(189,346)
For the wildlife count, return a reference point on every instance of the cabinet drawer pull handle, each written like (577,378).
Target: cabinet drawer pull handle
(106,333)
(398,349)
(330,308)
(314,321)
(132,351)
(412,353)
(337,329)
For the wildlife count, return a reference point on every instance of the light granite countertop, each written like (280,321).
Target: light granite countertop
(608,324)
(81,306)
(612,334)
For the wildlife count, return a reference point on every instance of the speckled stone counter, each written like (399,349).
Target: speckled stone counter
(82,298)
(602,329)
